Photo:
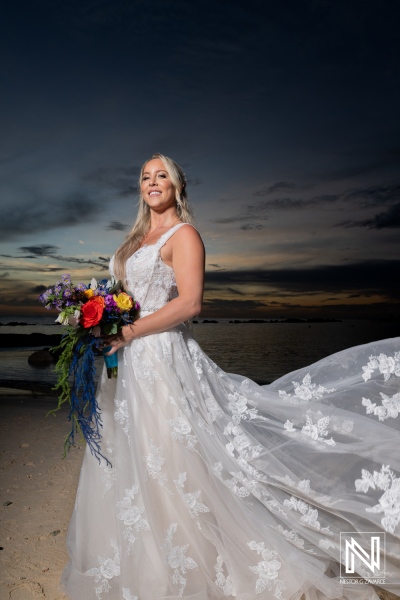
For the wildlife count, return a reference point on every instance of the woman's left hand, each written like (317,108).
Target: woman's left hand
(123,338)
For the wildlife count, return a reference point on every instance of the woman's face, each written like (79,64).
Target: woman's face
(156,186)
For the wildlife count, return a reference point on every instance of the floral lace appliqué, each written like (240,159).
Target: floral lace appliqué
(309,515)
(232,484)
(109,568)
(127,595)
(154,464)
(181,431)
(387,366)
(131,516)
(237,405)
(389,408)
(306,391)
(223,581)
(292,536)
(176,559)
(121,415)
(316,431)
(241,443)
(389,502)
(267,570)
(190,499)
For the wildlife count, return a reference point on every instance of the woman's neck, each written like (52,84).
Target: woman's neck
(164,221)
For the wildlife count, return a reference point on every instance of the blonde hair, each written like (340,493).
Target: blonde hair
(142,223)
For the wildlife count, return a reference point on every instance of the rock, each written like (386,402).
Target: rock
(24,446)
(7,503)
(41,358)
(56,532)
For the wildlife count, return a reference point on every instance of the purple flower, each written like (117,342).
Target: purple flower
(57,289)
(66,278)
(137,306)
(81,287)
(110,302)
(67,293)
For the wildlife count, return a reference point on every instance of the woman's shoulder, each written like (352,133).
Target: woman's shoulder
(185,233)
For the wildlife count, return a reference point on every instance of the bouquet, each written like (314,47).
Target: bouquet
(88,312)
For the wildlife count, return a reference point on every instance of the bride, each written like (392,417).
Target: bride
(219,487)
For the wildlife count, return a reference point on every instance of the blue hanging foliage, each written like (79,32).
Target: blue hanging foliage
(84,411)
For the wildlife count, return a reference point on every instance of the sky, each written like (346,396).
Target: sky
(284,115)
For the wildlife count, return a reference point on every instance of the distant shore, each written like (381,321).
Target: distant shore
(33,340)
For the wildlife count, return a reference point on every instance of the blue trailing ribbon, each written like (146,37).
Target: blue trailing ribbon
(84,409)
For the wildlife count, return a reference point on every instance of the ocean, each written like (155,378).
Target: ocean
(262,351)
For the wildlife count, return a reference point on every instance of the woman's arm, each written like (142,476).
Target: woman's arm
(188,263)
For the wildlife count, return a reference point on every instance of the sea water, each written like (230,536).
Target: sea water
(261,351)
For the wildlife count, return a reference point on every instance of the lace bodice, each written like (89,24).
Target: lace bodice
(148,278)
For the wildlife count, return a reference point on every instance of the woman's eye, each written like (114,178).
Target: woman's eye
(162,175)
(144,178)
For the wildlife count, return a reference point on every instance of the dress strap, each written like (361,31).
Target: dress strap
(165,237)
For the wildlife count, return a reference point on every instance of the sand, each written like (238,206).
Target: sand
(37,495)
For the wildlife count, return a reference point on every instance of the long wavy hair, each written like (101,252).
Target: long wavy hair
(141,225)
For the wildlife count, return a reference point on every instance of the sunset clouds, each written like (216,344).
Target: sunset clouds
(284,117)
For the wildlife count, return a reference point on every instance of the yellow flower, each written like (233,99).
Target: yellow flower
(89,293)
(123,301)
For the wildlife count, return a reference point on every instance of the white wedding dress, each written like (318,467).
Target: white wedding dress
(221,488)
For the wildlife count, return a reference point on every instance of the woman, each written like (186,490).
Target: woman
(220,488)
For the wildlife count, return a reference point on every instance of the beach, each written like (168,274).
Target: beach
(37,496)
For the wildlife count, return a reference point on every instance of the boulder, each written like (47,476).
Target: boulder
(41,358)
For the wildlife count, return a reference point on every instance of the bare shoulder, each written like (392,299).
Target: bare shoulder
(187,237)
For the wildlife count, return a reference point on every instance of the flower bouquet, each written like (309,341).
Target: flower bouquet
(88,312)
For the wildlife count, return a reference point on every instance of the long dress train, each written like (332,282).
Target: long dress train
(221,488)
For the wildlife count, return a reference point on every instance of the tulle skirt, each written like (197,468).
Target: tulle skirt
(220,488)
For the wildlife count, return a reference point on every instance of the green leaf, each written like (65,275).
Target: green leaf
(117,287)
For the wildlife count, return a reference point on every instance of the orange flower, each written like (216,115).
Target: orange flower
(91,312)
(100,300)
(89,293)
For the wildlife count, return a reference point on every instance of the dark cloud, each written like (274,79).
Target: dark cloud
(231,305)
(388,219)
(193,181)
(216,266)
(279,186)
(38,289)
(42,250)
(46,250)
(122,180)
(234,291)
(239,219)
(251,226)
(368,277)
(40,214)
(117,226)
(375,195)
(257,210)
(388,158)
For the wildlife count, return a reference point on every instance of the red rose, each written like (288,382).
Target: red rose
(92,311)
